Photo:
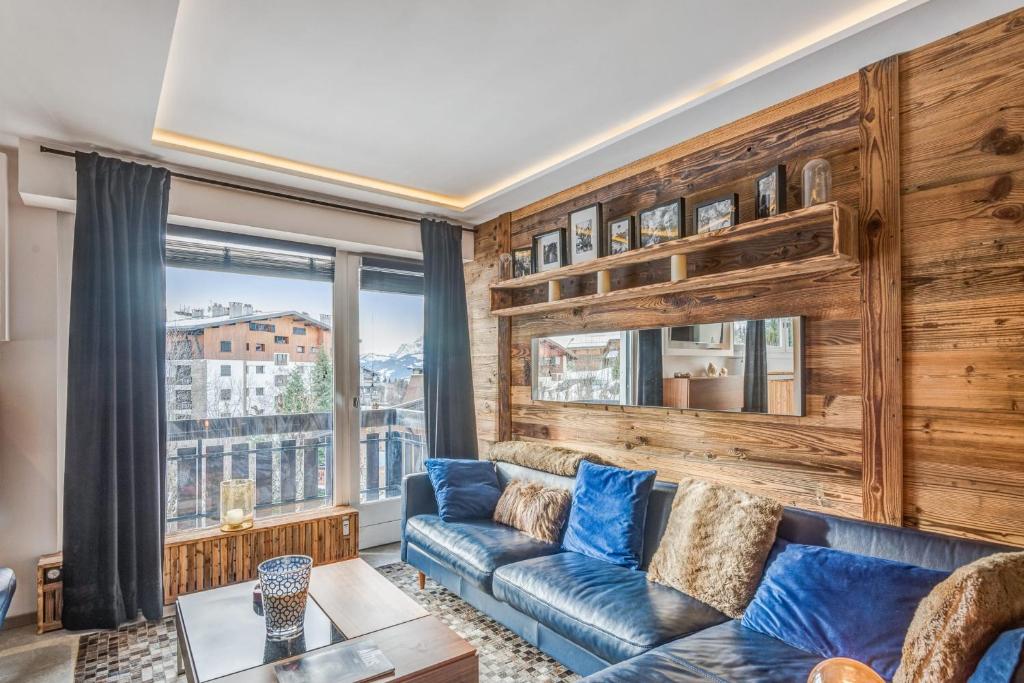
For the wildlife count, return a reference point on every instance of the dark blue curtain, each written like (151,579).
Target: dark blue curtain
(116,426)
(447,373)
(755,369)
(650,385)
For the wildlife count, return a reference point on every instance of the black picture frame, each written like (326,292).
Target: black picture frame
(561,246)
(630,234)
(763,206)
(595,237)
(521,267)
(734,214)
(677,232)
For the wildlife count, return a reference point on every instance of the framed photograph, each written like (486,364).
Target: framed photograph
(715,214)
(584,231)
(660,223)
(522,261)
(549,250)
(618,235)
(770,193)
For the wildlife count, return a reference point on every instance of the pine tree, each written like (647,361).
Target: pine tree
(296,398)
(322,383)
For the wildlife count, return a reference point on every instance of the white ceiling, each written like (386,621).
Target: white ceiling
(461,107)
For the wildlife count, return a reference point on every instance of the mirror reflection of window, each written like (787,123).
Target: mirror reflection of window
(706,366)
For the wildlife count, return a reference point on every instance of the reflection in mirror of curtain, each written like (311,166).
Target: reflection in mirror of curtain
(697,367)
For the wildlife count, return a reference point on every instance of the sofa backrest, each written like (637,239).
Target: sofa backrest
(902,544)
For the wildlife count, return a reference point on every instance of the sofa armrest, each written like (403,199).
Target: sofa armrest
(417,499)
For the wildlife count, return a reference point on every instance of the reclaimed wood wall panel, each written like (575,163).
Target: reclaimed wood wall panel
(881,310)
(962,156)
(961,236)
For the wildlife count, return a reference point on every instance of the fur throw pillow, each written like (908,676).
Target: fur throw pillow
(959,619)
(534,509)
(538,456)
(715,544)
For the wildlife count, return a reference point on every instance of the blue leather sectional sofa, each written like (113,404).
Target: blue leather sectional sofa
(605,620)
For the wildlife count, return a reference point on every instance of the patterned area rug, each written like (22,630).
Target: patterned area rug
(147,651)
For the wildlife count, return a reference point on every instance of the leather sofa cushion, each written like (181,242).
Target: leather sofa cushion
(614,612)
(727,653)
(474,549)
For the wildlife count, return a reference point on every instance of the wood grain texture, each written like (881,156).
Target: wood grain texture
(483,330)
(881,313)
(962,178)
(359,600)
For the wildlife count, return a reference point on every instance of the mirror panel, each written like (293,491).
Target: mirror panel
(743,366)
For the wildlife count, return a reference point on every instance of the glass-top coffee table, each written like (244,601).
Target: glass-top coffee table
(220,636)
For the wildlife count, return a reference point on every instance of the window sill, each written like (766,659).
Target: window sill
(288,519)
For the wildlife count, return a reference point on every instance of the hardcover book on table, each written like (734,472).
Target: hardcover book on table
(348,663)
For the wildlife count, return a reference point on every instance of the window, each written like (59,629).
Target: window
(183,399)
(183,374)
(280,340)
(299,330)
(313,350)
(234,427)
(300,349)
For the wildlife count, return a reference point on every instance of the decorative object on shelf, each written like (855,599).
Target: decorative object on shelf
(712,369)
(619,235)
(584,230)
(522,261)
(549,250)
(284,582)
(604,282)
(682,375)
(770,193)
(716,214)
(504,263)
(237,499)
(843,670)
(723,371)
(817,182)
(661,223)
(677,264)
(554,290)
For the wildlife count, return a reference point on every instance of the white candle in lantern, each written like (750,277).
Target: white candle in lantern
(234,516)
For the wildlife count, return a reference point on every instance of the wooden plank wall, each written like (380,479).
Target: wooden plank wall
(961,169)
(962,142)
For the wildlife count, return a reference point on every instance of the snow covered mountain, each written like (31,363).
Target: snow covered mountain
(397,365)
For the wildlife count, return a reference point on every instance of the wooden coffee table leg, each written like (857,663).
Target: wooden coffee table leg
(423,580)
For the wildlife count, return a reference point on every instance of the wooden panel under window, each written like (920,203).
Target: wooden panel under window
(195,561)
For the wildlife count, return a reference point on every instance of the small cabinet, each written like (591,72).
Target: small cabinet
(704,393)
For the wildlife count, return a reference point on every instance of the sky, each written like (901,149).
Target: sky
(386,320)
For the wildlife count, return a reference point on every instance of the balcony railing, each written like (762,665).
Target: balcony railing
(291,458)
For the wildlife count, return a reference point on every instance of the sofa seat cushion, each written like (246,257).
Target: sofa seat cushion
(474,549)
(727,653)
(613,612)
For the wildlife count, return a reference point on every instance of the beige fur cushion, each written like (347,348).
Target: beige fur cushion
(534,509)
(541,457)
(716,544)
(959,619)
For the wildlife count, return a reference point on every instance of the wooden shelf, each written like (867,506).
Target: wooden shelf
(838,216)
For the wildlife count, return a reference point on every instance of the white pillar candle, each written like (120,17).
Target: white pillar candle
(554,290)
(234,516)
(678,262)
(604,282)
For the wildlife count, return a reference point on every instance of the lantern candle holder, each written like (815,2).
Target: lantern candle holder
(237,498)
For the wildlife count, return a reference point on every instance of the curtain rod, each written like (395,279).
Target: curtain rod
(269,193)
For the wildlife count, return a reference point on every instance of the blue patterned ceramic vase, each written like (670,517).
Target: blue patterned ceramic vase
(284,582)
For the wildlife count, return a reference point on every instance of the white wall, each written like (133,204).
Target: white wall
(30,412)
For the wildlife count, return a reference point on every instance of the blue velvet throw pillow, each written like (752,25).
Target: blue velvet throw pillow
(1002,659)
(839,604)
(609,509)
(465,489)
